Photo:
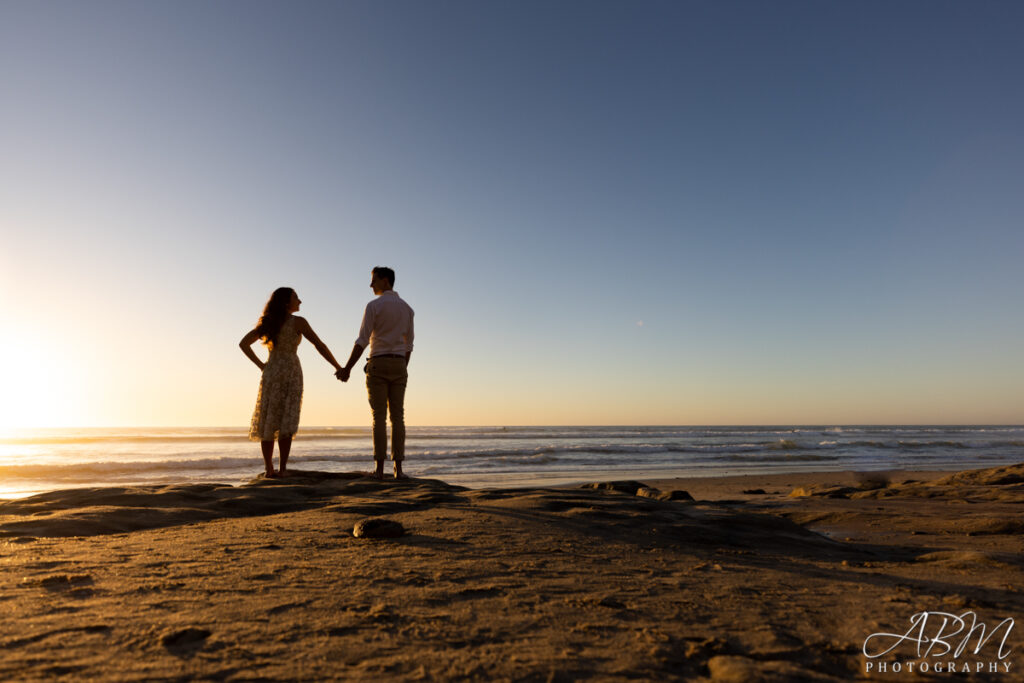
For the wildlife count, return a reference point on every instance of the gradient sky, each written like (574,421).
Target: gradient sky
(602,212)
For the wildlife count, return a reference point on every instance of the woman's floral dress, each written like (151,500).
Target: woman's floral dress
(280,397)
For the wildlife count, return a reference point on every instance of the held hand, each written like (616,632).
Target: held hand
(343,374)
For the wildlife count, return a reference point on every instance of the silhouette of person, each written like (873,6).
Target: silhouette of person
(387,329)
(280,395)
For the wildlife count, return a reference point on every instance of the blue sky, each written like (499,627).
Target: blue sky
(814,209)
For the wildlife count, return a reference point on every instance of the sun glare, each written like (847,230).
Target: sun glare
(37,390)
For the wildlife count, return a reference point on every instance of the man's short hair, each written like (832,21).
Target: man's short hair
(386,273)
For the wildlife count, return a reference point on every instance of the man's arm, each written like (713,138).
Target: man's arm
(409,338)
(365,330)
(344,373)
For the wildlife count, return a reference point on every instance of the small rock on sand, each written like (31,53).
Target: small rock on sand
(61,581)
(190,638)
(378,528)
(609,601)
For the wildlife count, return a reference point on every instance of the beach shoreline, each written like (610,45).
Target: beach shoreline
(498,457)
(745,582)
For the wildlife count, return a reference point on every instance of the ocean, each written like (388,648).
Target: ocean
(498,457)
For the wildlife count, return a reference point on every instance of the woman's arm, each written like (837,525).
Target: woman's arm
(246,346)
(307,331)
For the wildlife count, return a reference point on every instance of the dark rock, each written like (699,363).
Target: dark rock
(611,602)
(754,492)
(64,581)
(630,487)
(820,491)
(869,481)
(648,492)
(378,528)
(121,509)
(184,640)
(995,476)
(676,495)
(993,527)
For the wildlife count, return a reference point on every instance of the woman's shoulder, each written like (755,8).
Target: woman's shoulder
(299,322)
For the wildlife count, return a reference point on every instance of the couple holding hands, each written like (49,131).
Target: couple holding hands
(386,329)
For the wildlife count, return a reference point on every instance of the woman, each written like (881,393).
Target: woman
(280,397)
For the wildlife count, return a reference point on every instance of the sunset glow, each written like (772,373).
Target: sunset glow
(681,214)
(39,389)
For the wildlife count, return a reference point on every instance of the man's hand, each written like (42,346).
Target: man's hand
(357,352)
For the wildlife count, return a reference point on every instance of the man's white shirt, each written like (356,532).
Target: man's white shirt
(387,326)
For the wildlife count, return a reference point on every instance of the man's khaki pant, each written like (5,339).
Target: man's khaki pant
(385,383)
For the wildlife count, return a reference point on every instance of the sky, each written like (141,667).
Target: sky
(602,212)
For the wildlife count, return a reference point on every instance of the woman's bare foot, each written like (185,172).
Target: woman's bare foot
(271,474)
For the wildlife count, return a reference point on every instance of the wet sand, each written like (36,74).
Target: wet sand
(746,582)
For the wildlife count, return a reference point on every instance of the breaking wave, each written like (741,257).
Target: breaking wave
(59,458)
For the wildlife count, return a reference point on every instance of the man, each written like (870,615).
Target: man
(387,330)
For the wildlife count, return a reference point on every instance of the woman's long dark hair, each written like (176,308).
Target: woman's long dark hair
(274,315)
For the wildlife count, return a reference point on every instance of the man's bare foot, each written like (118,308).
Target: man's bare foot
(399,474)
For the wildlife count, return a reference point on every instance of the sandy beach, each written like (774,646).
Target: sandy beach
(769,578)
